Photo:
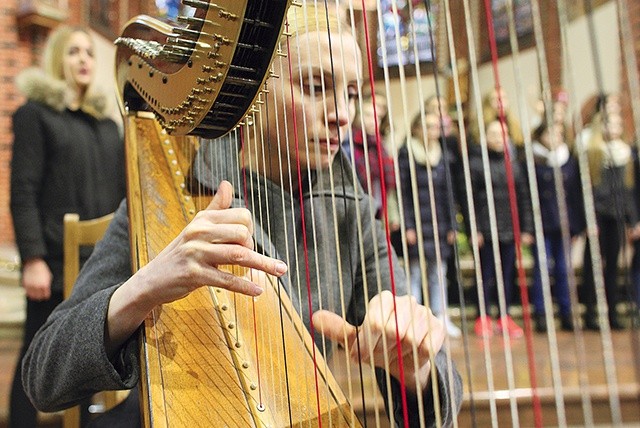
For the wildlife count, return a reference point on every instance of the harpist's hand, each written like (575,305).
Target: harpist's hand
(418,329)
(218,235)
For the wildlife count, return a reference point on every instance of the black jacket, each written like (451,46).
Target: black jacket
(500,197)
(63,162)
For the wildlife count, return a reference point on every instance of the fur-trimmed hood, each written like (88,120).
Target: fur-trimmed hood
(36,85)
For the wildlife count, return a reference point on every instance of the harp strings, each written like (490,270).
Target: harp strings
(515,214)
(540,246)
(276,99)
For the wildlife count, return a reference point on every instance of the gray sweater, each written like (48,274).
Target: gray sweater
(67,360)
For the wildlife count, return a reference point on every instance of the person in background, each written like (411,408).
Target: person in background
(634,237)
(67,157)
(366,162)
(550,153)
(439,106)
(611,171)
(494,104)
(429,166)
(484,326)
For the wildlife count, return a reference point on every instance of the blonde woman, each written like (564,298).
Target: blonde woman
(67,157)
(611,171)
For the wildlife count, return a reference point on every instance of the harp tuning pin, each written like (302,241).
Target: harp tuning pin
(227,15)
(198,4)
(281,53)
(296,3)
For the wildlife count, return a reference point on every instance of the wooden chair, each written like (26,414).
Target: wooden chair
(79,233)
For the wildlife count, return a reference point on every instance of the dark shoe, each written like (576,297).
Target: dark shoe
(566,323)
(615,324)
(591,323)
(541,323)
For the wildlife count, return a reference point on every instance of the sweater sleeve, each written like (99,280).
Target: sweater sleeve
(448,397)
(27,171)
(67,359)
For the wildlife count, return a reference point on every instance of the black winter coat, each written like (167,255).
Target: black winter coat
(63,162)
(444,203)
(500,196)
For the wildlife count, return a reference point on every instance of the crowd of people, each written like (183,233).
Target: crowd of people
(433,195)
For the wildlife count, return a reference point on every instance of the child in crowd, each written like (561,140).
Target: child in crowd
(611,172)
(484,326)
(550,153)
(427,156)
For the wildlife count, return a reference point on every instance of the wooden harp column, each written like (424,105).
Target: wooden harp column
(200,366)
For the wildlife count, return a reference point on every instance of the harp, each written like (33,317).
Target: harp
(199,79)
(554,386)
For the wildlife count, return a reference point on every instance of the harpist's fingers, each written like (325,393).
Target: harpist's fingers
(224,234)
(334,327)
(235,283)
(229,254)
(223,197)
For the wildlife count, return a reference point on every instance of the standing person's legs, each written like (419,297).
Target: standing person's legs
(610,250)
(508,259)
(438,294)
(488,274)
(635,275)
(416,278)
(21,411)
(561,274)
(589,290)
(537,295)
(483,326)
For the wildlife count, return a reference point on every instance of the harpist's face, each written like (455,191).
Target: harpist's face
(318,97)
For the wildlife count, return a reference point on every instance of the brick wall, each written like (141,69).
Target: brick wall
(15,53)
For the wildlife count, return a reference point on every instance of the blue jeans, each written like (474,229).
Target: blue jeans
(558,269)
(436,282)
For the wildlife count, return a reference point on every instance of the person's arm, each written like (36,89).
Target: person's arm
(88,344)
(66,360)
(27,172)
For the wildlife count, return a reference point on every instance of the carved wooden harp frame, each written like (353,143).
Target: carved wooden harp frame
(200,366)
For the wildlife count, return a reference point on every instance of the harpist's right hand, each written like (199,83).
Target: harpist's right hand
(218,235)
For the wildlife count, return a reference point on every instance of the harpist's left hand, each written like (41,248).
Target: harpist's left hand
(419,332)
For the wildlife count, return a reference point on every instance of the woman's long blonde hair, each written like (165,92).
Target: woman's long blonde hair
(596,151)
(91,102)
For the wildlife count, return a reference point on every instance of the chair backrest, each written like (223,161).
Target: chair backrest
(76,234)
